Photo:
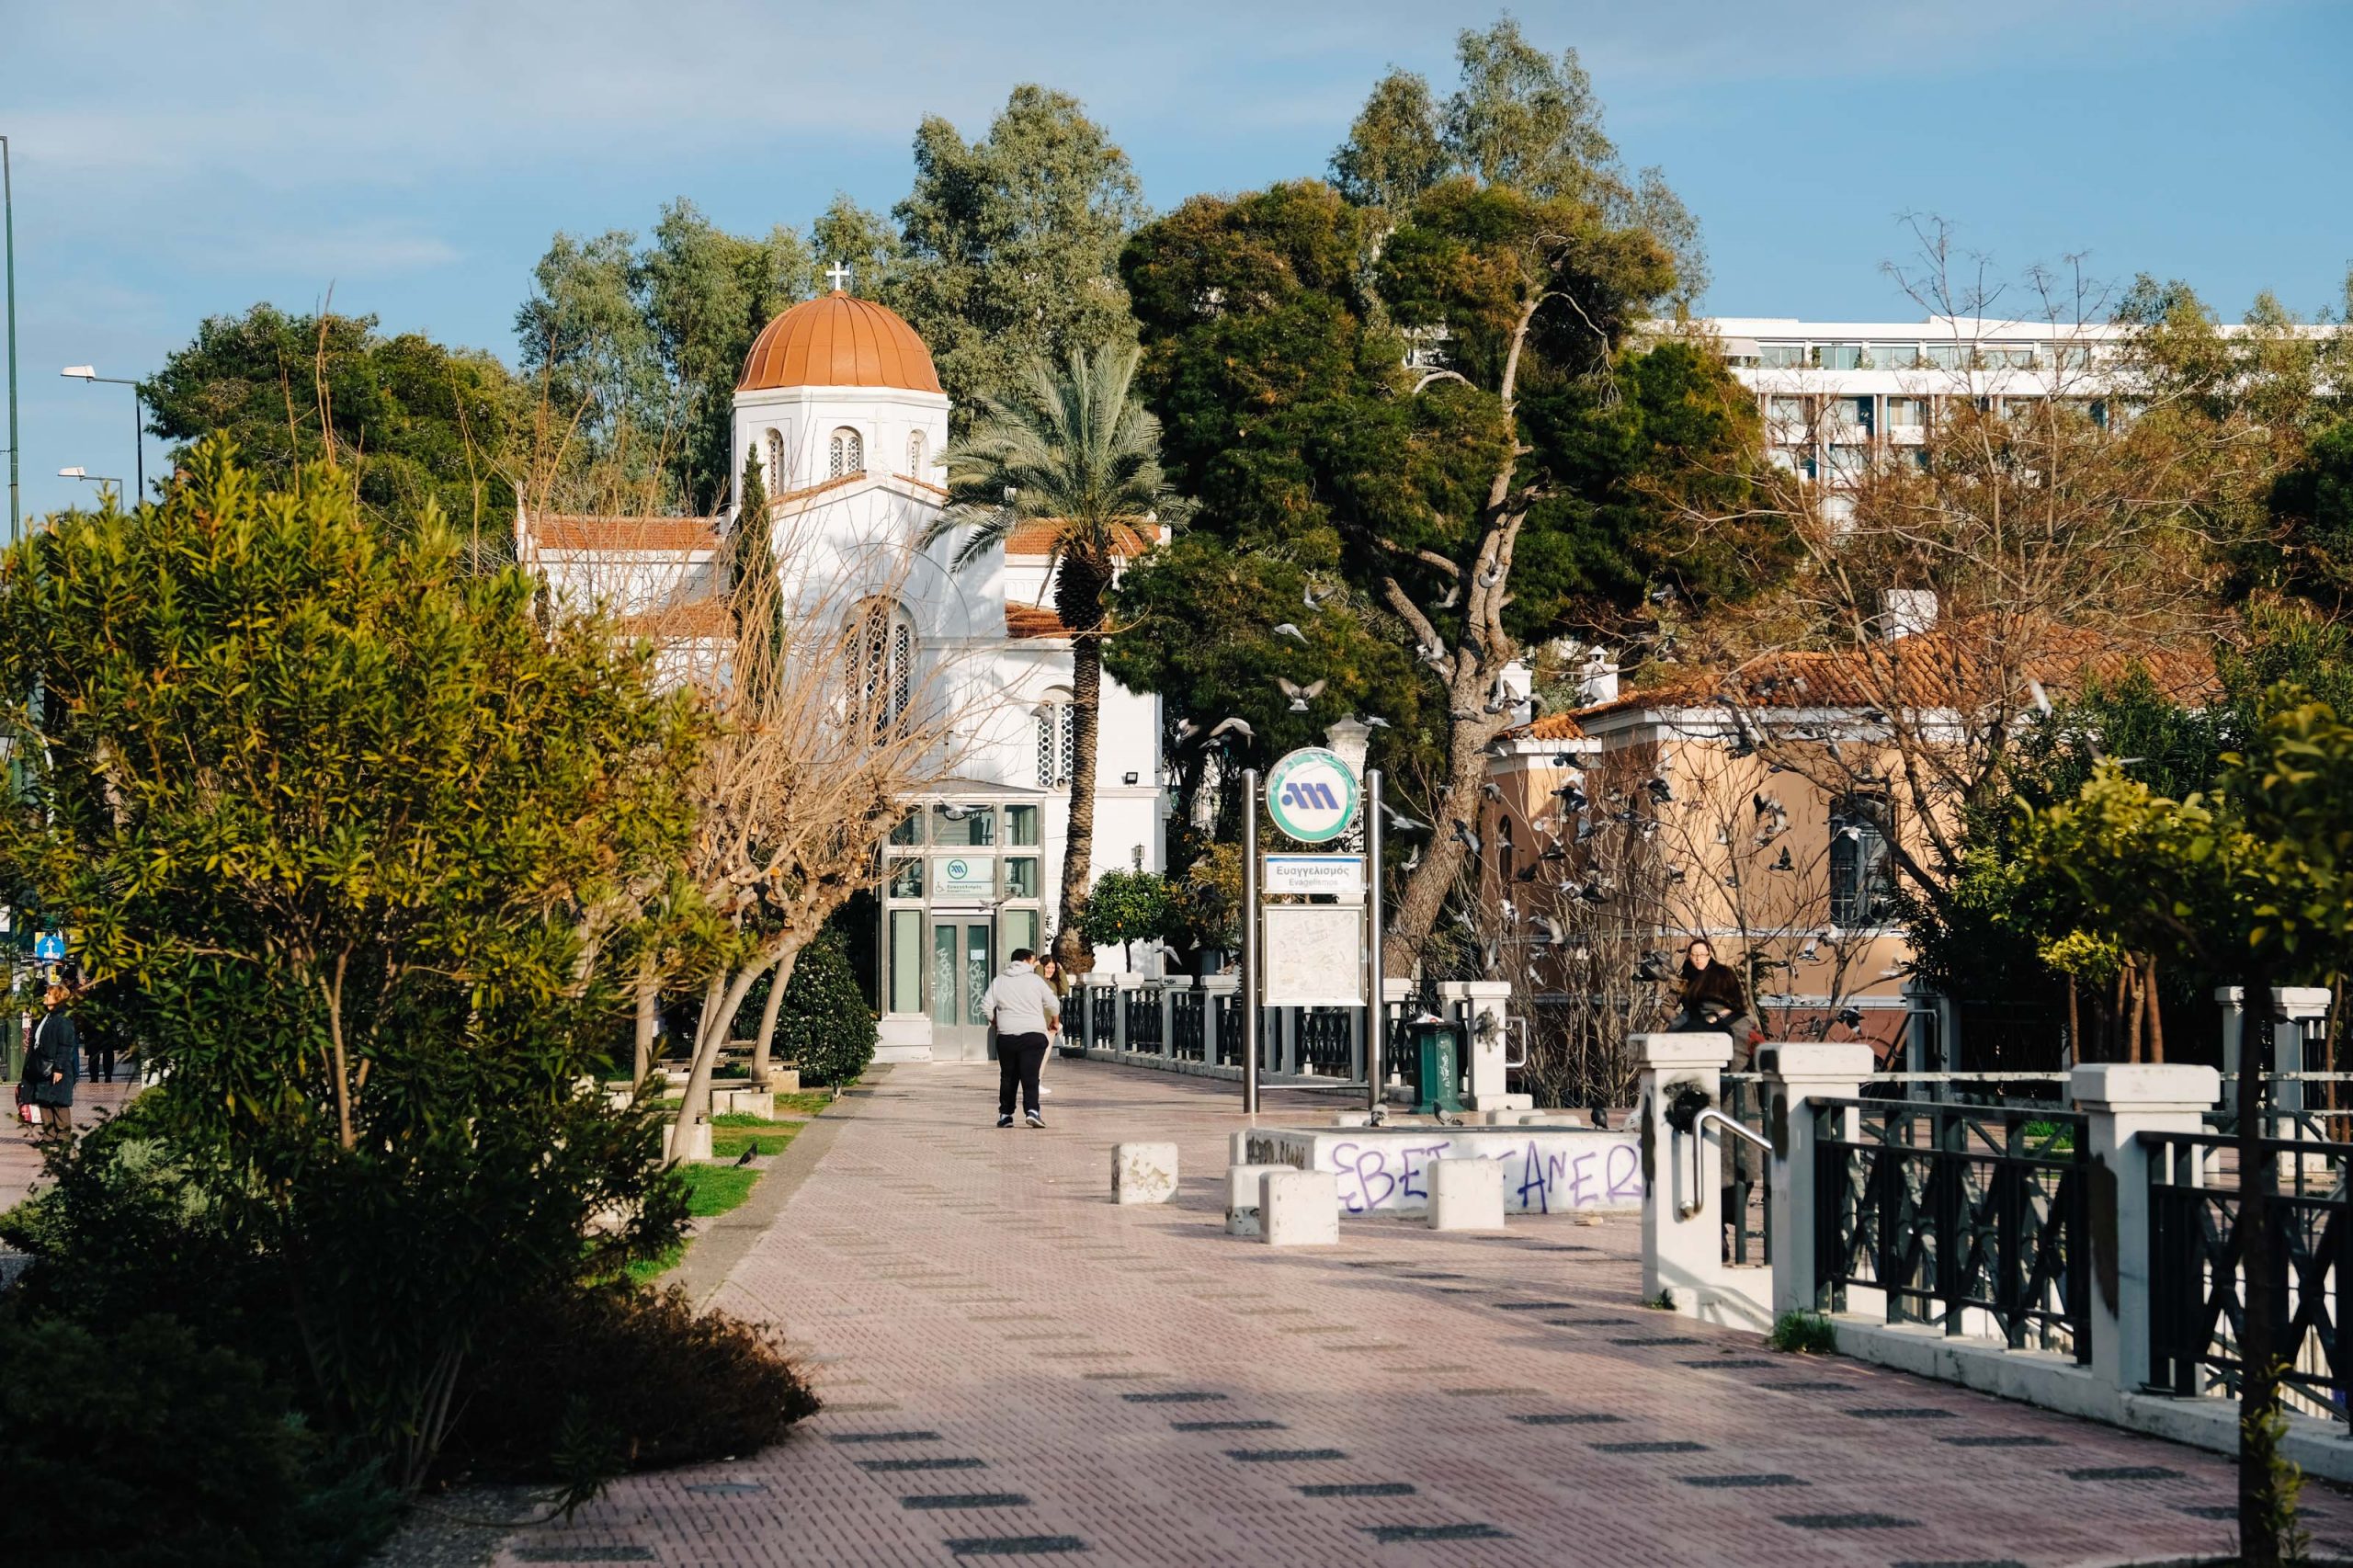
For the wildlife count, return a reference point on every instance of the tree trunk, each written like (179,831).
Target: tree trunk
(1078,845)
(1419,906)
(2156,1010)
(2259,1500)
(696,1101)
(649,1020)
(2136,999)
(779,978)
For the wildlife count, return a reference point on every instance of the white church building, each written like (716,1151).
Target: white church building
(839,399)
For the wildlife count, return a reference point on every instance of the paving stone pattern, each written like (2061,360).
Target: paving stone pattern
(1431,1419)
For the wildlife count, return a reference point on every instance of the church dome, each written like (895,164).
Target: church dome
(836,340)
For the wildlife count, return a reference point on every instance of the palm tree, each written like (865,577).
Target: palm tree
(1076,452)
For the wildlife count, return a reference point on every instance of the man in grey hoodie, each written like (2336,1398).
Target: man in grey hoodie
(1020,1004)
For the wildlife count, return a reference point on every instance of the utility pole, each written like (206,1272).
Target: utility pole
(8,219)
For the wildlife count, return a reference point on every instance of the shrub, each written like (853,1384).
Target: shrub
(1129,907)
(823,1024)
(629,1377)
(1804,1334)
(154,1450)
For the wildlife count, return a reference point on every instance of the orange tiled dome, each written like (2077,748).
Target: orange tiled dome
(835,340)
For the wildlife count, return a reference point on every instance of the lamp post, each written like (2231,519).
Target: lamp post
(138,416)
(87,477)
(8,220)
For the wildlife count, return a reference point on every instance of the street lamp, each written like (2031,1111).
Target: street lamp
(87,477)
(137,412)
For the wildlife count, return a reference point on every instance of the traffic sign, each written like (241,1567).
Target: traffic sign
(1339,875)
(49,947)
(1313,795)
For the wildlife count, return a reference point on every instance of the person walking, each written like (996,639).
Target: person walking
(1022,1007)
(55,1063)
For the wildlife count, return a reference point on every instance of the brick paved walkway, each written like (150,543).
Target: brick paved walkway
(1016,1369)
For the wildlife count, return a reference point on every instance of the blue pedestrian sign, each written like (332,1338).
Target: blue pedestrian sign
(49,947)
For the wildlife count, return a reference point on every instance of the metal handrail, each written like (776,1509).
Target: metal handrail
(1712,1114)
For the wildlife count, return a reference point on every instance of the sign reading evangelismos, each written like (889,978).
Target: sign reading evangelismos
(1313,795)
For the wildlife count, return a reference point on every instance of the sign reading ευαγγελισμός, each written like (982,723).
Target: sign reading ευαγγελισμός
(1342,876)
(1313,795)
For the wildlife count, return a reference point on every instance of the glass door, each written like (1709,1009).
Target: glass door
(963,961)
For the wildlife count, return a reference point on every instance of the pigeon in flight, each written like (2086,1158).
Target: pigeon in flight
(1286,628)
(1469,839)
(1301,696)
(1235,726)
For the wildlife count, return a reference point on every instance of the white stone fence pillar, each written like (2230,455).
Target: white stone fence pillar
(1683,1171)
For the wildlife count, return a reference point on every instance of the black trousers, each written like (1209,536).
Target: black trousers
(1018,1057)
(102,1064)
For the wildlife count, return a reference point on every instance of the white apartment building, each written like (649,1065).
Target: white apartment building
(1835,394)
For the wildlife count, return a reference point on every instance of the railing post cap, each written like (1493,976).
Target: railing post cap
(1130,981)
(1664,1053)
(1394,988)
(1839,1060)
(2296,999)
(1221,983)
(2144,1087)
(1485,990)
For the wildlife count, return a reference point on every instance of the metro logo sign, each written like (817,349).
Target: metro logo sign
(1313,795)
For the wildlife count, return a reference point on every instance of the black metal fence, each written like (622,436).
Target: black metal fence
(1954,1211)
(1748,1178)
(2198,1275)
(1143,1019)
(1187,1025)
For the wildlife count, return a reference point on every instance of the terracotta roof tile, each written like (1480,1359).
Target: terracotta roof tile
(1035,538)
(1551,727)
(1033,620)
(555,530)
(1930,670)
(693,619)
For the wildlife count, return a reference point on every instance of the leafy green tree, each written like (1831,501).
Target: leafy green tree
(824,1024)
(2255,881)
(1518,118)
(360,858)
(407,421)
(2312,512)
(1075,453)
(1394,151)
(1011,244)
(1451,513)
(1130,907)
(638,348)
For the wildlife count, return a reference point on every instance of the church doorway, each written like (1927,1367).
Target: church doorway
(963,961)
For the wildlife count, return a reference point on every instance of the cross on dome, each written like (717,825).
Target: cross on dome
(839,276)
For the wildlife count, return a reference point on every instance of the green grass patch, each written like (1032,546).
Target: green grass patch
(713,1190)
(1804,1334)
(645,1271)
(730,1135)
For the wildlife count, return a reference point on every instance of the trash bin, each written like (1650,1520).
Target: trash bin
(1438,1065)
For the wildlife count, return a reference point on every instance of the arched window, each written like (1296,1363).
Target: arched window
(882,659)
(1056,740)
(774,460)
(915,455)
(845,453)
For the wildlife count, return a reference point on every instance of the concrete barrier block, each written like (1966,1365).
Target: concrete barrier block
(744,1102)
(1352,1119)
(784,1080)
(1143,1172)
(1466,1195)
(1299,1207)
(1242,1185)
(1237,1149)
(695,1145)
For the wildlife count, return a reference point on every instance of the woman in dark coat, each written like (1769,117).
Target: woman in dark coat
(1712,999)
(54,1063)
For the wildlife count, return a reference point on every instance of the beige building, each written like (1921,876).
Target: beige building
(1761,808)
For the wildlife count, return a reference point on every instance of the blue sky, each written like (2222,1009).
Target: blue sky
(176,160)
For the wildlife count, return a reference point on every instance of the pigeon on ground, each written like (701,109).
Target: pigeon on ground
(749,1149)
